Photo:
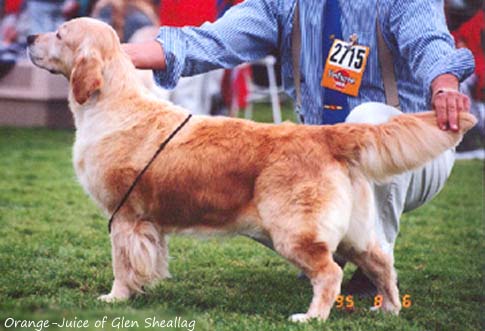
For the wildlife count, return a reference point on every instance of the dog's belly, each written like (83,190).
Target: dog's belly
(246,222)
(171,204)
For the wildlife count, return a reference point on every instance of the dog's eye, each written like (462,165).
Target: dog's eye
(58,36)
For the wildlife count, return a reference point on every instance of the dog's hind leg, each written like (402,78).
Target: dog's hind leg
(139,253)
(315,259)
(378,266)
(308,241)
(306,218)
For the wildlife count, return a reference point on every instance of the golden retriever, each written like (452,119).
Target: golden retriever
(305,188)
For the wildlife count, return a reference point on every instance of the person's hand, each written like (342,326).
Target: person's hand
(447,101)
(147,55)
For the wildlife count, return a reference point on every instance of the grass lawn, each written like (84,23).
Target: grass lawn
(55,258)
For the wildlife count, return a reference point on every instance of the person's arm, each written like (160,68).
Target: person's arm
(247,32)
(423,39)
(146,55)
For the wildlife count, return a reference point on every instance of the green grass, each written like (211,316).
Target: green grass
(55,257)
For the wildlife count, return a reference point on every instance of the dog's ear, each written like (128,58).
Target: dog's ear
(86,77)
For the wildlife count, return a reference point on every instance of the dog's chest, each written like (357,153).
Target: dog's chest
(90,172)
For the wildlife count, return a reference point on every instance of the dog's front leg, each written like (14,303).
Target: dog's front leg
(119,292)
(140,257)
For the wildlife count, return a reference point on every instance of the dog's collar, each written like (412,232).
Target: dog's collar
(137,179)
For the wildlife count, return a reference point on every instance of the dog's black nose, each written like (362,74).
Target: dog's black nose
(31,39)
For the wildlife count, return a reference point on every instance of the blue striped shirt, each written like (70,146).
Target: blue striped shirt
(414,30)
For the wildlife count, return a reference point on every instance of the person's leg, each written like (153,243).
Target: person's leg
(407,192)
(403,193)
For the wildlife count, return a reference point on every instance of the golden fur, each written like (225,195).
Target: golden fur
(305,188)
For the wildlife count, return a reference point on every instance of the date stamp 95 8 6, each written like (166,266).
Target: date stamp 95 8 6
(349,302)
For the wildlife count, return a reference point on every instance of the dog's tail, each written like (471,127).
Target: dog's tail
(405,142)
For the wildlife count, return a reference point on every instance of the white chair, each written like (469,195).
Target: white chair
(259,93)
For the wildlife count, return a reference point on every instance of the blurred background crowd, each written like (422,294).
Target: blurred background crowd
(221,92)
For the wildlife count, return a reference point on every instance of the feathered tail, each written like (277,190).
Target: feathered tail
(405,142)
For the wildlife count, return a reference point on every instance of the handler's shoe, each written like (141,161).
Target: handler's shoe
(359,286)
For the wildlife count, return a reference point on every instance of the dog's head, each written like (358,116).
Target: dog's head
(77,50)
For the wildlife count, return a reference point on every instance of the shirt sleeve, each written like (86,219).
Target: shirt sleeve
(419,30)
(247,32)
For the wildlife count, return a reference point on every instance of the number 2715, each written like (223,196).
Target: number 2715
(352,57)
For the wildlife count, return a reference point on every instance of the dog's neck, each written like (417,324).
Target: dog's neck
(120,82)
(120,78)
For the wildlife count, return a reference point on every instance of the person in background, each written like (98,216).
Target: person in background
(178,13)
(14,29)
(77,8)
(125,16)
(9,29)
(458,12)
(424,61)
(44,15)
(471,35)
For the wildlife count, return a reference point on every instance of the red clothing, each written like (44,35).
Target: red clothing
(187,12)
(234,86)
(179,13)
(470,33)
(12,6)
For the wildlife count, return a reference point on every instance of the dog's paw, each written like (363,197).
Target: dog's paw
(391,309)
(375,309)
(166,275)
(299,318)
(110,298)
(388,310)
